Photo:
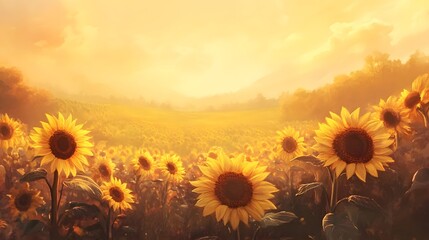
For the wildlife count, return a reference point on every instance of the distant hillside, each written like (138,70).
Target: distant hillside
(380,77)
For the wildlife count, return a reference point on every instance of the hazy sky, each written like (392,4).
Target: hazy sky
(197,47)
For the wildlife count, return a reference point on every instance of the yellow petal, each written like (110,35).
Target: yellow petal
(361,171)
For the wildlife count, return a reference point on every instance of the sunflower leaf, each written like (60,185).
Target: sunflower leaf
(339,226)
(359,209)
(85,184)
(33,227)
(277,219)
(78,210)
(365,203)
(303,188)
(35,175)
(309,159)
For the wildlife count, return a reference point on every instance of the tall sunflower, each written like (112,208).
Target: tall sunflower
(117,195)
(356,144)
(234,189)
(63,144)
(143,163)
(104,168)
(290,144)
(11,133)
(23,202)
(419,94)
(393,115)
(171,167)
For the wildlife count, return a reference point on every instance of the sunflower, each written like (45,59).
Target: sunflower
(104,167)
(393,115)
(23,202)
(356,144)
(171,167)
(419,94)
(233,189)
(289,144)
(11,133)
(143,163)
(63,144)
(117,195)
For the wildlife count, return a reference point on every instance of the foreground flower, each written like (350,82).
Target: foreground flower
(289,144)
(393,115)
(117,195)
(419,94)
(104,168)
(234,189)
(24,202)
(143,163)
(63,144)
(11,133)
(353,143)
(172,168)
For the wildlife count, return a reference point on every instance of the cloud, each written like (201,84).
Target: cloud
(197,47)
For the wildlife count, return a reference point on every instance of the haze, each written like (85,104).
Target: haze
(164,49)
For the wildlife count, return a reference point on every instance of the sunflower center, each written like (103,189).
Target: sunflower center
(289,144)
(233,190)
(117,194)
(144,163)
(62,144)
(23,202)
(171,168)
(391,118)
(104,170)
(354,145)
(6,131)
(212,155)
(412,100)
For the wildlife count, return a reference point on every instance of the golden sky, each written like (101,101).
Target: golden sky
(152,48)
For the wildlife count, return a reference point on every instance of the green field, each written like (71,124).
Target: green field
(178,131)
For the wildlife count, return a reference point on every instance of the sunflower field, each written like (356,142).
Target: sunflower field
(94,171)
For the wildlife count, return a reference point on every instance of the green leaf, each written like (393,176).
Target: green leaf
(365,203)
(85,184)
(33,226)
(303,188)
(339,227)
(35,175)
(78,210)
(360,210)
(277,219)
(309,159)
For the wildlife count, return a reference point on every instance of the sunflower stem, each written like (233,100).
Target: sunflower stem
(238,232)
(108,224)
(61,195)
(164,205)
(255,234)
(290,176)
(396,140)
(424,116)
(334,190)
(54,207)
